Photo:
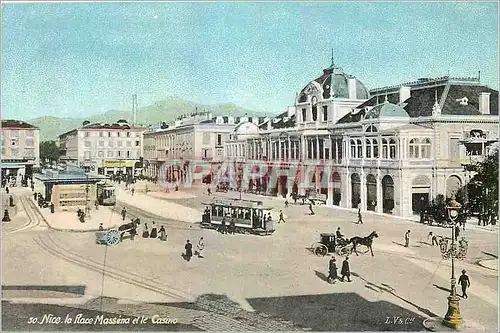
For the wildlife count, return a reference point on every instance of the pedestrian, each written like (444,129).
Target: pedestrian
(281,217)
(332,271)
(96,204)
(154,232)
(346,270)
(200,247)
(311,208)
(124,213)
(434,240)
(232,227)
(457,232)
(7,189)
(209,191)
(422,216)
(145,233)
(133,191)
(101,228)
(465,282)
(360,217)
(162,234)
(189,250)
(286,203)
(407,238)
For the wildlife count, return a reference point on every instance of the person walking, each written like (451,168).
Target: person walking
(162,234)
(200,247)
(286,203)
(346,270)
(281,217)
(209,191)
(96,204)
(189,250)
(407,238)
(311,208)
(360,217)
(133,191)
(434,240)
(124,213)
(332,271)
(465,282)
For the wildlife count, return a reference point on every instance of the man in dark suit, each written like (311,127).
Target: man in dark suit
(346,270)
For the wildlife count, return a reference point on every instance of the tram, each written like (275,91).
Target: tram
(247,216)
(106,194)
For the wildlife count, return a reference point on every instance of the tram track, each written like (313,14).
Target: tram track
(30,213)
(134,212)
(54,249)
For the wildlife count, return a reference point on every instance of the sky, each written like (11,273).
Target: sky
(77,59)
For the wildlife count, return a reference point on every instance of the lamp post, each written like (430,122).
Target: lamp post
(453,318)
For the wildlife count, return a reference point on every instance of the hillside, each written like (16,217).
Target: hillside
(165,110)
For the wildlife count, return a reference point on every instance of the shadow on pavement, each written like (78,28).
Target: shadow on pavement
(401,244)
(490,254)
(442,288)
(321,276)
(338,312)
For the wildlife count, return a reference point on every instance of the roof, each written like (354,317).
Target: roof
(53,176)
(335,80)
(422,100)
(10,123)
(236,203)
(280,121)
(125,126)
(386,110)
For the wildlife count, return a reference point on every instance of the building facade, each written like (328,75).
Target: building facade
(105,148)
(391,150)
(194,139)
(20,148)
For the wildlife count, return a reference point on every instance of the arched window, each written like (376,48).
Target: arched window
(385,148)
(375,148)
(353,149)
(414,148)
(392,148)
(371,128)
(425,148)
(359,146)
(368,149)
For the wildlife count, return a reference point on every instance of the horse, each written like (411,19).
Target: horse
(131,228)
(366,241)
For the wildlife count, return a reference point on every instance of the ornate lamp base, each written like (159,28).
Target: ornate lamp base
(453,318)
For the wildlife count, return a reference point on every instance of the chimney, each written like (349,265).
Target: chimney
(404,94)
(484,103)
(352,88)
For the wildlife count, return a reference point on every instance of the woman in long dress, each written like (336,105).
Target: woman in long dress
(162,234)
(154,232)
(145,233)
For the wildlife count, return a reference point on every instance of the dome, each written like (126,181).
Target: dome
(387,110)
(333,83)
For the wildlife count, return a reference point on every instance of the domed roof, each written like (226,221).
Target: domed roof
(334,83)
(386,110)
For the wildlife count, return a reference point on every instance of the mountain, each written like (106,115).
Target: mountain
(166,110)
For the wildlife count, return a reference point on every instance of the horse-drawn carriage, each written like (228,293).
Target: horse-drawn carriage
(116,236)
(329,243)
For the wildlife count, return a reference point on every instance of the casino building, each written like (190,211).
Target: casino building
(389,150)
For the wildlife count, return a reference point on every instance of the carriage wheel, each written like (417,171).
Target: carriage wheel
(321,250)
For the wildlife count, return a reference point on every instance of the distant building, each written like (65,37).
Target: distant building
(20,148)
(198,137)
(104,148)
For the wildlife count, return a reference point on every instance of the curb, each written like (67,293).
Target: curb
(70,230)
(480,263)
(435,324)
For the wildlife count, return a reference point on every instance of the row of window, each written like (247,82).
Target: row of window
(15,133)
(314,114)
(102,134)
(88,144)
(15,142)
(110,153)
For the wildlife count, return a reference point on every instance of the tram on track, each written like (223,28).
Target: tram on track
(246,216)
(106,194)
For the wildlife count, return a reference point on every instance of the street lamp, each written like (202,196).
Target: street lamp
(453,318)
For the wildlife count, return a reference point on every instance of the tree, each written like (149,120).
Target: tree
(49,151)
(484,188)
